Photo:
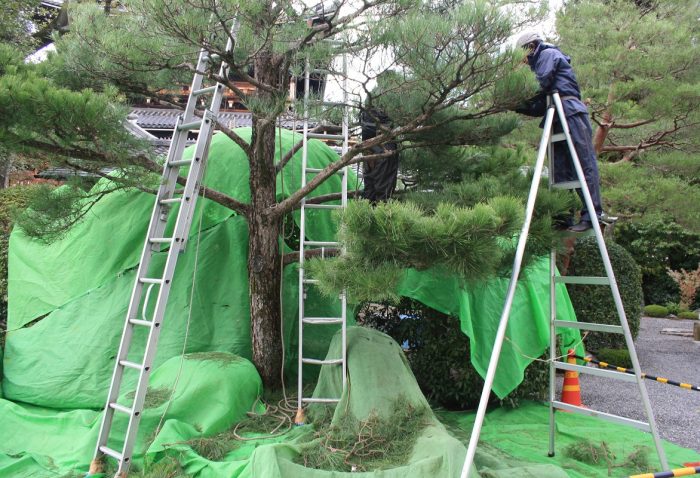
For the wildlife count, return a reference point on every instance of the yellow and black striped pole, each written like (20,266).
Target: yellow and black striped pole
(687,471)
(667,381)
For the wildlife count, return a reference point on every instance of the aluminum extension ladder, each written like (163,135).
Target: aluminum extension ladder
(168,195)
(304,281)
(546,149)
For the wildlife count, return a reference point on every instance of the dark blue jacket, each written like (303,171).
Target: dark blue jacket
(553,71)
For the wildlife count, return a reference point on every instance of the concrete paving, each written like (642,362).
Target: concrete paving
(677,411)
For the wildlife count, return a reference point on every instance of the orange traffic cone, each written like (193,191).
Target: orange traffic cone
(571,392)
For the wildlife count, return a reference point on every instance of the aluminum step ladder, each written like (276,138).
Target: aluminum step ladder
(168,196)
(304,281)
(546,149)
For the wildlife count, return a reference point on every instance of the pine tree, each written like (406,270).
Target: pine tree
(450,76)
(638,62)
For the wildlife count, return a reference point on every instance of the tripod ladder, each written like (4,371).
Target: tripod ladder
(546,149)
(168,196)
(304,281)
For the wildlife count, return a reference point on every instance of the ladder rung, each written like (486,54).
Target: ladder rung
(161,240)
(582,280)
(321,243)
(310,281)
(109,452)
(625,377)
(605,416)
(120,408)
(205,91)
(146,280)
(320,400)
(322,320)
(323,206)
(324,362)
(180,162)
(145,323)
(170,200)
(190,126)
(613,329)
(134,365)
(567,185)
(558,137)
(334,137)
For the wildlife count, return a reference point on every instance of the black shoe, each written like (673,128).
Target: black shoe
(582,226)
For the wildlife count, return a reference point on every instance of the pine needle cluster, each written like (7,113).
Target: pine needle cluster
(375,443)
(467,229)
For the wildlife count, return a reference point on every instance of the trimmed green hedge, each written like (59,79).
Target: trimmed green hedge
(617,357)
(438,353)
(594,303)
(687,314)
(654,310)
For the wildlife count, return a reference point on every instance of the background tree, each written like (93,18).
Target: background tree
(639,64)
(446,58)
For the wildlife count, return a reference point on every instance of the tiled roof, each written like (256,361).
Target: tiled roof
(162,118)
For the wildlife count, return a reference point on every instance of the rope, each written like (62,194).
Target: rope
(630,371)
(189,312)
(687,471)
(547,360)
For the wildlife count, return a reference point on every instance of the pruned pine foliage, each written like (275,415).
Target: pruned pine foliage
(469,229)
(374,443)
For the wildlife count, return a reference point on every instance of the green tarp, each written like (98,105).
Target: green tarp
(67,301)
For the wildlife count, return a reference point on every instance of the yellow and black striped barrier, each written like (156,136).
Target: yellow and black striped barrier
(630,371)
(687,471)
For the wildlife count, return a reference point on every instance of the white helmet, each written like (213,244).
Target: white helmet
(527,38)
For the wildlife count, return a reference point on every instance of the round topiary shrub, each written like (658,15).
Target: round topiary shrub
(654,310)
(594,303)
(438,353)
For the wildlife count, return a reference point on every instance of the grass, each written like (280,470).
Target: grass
(375,443)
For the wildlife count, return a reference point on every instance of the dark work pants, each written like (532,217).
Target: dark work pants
(564,170)
(380,176)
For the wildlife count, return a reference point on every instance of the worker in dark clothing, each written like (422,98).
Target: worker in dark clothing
(554,73)
(379,174)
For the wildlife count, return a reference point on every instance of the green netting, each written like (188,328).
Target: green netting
(67,302)
(215,390)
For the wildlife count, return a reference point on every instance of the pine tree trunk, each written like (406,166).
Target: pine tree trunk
(601,133)
(264,273)
(264,267)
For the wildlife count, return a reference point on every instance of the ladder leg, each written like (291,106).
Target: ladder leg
(613,285)
(503,323)
(552,350)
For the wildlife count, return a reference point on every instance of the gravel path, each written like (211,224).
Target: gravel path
(677,411)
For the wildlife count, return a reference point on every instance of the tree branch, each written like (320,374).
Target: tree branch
(289,154)
(292,257)
(235,137)
(140,160)
(631,125)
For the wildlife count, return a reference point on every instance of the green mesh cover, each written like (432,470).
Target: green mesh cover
(67,302)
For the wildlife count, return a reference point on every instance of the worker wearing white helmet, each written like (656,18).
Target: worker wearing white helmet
(554,73)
